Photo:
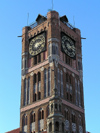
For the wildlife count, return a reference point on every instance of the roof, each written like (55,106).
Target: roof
(40,17)
(14,131)
(64,18)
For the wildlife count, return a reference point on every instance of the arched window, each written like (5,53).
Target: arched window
(51,107)
(34,117)
(32,121)
(49,80)
(24,123)
(56,126)
(42,114)
(39,115)
(25,92)
(73,118)
(50,127)
(41,119)
(28,91)
(45,82)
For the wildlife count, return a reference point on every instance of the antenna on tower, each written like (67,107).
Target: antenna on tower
(74,21)
(27,18)
(52,5)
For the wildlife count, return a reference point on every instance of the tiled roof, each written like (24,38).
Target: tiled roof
(14,131)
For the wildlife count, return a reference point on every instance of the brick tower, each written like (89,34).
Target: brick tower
(51,85)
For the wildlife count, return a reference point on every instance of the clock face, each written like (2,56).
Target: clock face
(68,46)
(37,45)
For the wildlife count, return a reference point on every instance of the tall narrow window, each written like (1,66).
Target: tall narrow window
(41,119)
(49,81)
(24,124)
(35,60)
(58,82)
(34,89)
(39,58)
(44,55)
(39,76)
(24,91)
(76,92)
(56,126)
(25,62)
(28,91)
(61,84)
(79,98)
(32,122)
(29,62)
(45,82)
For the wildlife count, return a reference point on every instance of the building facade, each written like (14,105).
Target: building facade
(52,82)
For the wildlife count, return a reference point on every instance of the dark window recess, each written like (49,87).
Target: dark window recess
(71,97)
(79,66)
(67,96)
(66,77)
(35,60)
(55,106)
(34,118)
(62,127)
(39,58)
(50,127)
(73,118)
(35,98)
(42,114)
(39,95)
(56,126)
(70,80)
(39,76)
(44,57)
(34,78)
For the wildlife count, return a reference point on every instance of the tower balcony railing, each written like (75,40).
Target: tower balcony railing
(34,24)
(69,25)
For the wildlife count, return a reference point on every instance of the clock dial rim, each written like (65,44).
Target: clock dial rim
(71,43)
(41,46)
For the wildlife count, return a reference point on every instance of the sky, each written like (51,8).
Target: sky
(85,15)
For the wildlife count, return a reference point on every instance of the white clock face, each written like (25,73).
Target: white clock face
(68,46)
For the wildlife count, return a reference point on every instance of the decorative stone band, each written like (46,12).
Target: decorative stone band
(38,66)
(44,101)
(73,106)
(39,103)
(69,68)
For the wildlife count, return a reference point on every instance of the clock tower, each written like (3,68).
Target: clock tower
(52,82)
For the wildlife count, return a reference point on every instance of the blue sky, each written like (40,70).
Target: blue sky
(13,17)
